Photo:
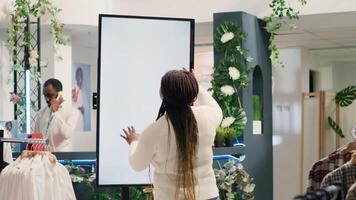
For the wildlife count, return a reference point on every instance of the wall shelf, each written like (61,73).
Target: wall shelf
(237,150)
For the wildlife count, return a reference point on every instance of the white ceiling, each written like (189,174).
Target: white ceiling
(334,30)
(202,10)
(331,38)
(334,57)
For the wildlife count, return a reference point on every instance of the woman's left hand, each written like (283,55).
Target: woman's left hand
(130,134)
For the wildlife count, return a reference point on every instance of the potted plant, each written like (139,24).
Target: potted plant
(257,114)
(343,99)
(231,74)
(234,182)
(231,136)
(219,137)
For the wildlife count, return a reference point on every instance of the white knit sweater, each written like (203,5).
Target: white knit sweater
(156,147)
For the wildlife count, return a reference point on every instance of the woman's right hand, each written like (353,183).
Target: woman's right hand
(130,135)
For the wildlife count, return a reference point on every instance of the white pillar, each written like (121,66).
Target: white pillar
(63,70)
(56,68)
(6,107)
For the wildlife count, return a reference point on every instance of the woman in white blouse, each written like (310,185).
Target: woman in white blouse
(179,143)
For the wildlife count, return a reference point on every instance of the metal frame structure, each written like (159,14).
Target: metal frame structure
(22,53)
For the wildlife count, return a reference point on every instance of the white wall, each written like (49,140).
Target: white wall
(326,82)
(307,63)
(287,124)
(86,141)
(83,12)
(203,65)
(60,69)
(344,74)
(6,107)
(47,58)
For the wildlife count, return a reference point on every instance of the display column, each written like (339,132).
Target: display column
(63,70)
(258,150)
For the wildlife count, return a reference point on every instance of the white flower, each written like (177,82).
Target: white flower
(249,59)
(240,167)
(33,54)
(244,179)
(239,49)
(227,90)
(234,73)
(33,2)
(92,178)
(249,188)
(33,58)
(227,122)
(76,178)
(233,169)
(32,62)
(23,25)
(227,37)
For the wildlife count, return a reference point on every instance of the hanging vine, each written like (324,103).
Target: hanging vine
(280,10)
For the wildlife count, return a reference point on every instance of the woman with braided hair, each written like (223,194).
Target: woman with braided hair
(179,144)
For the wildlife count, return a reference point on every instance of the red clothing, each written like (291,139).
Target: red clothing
(35,147)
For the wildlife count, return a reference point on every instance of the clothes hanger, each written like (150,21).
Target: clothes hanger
(351,146)
(353,158)
(30,154)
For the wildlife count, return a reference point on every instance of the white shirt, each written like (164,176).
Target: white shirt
(36,178)
(153,147)
(61,126)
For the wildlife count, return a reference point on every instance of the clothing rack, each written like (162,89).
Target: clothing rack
(17,140)
(23,140)
(332,192)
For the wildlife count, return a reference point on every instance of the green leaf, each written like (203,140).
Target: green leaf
(229,47)
(336,128)
(346,96)
(240,121)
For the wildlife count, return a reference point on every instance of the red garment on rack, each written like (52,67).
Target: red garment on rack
(35,147)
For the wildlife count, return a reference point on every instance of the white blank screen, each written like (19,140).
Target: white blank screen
(135,53)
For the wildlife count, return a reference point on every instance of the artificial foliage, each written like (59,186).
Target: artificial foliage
(336,128)
(346,96)
(281,10)
(234,182)
(85,188)
(231,75)
(22,13)
(343,98)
